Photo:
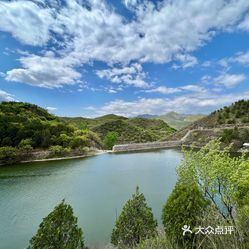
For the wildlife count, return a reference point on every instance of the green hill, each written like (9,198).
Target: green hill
(129,130)
(230,123)
(235,114)
(21,121)
(27,130)
(88,123)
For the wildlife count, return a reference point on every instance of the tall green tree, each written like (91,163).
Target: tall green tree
(135,223)
(213,169)
(184,207)
(59,230)
(223,180)
(110,139)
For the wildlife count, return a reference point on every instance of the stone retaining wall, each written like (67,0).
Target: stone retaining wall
(145,146)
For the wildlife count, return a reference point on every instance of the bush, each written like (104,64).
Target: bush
(26,145)
(229,134)
(155,243)
(9,154)
(231,121)
(58,150)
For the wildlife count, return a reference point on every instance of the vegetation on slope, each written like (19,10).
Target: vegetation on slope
(230,123)
(128,130)
(237,113)
(25,127)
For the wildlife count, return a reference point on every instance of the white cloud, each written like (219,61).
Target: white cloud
(164,90)
(129,75)
(4,96)
(112,91)
(193,88)
(242,58)
(158,106)
(171,90)
(229,80)
(26,21)
(51,109)
(206,64)
(244,25)
(90,108)
(131,3)
(47,71)
(97,32)
(185,60)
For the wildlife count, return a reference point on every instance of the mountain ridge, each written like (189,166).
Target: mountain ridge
(174,119)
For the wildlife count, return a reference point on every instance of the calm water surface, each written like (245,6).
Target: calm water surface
(96,187)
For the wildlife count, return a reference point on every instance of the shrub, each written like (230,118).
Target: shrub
(9,154)
(26,145)
(56,149)
(155,243)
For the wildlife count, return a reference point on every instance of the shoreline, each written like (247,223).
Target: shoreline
(92,153)
(95,153)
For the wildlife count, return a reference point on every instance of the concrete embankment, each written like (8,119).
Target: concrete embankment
(146,146)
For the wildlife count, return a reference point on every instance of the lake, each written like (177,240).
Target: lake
(96,187)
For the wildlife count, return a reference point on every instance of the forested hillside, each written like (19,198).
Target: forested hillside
(230,124)
(128,130)
(26,127)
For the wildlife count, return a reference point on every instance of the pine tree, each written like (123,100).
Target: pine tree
(135,223)
(184,207)
(59,230)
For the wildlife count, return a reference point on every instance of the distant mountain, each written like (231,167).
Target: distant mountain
(148,116)
(179,121)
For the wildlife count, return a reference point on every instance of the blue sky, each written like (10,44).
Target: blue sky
(128,57)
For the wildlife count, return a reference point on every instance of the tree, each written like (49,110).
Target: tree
(79,141)
(64,140)
(241,180)
(110,139)
(135,223)
(212,168)
(59,230)
(221,179)
(26,145)
(184,206)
